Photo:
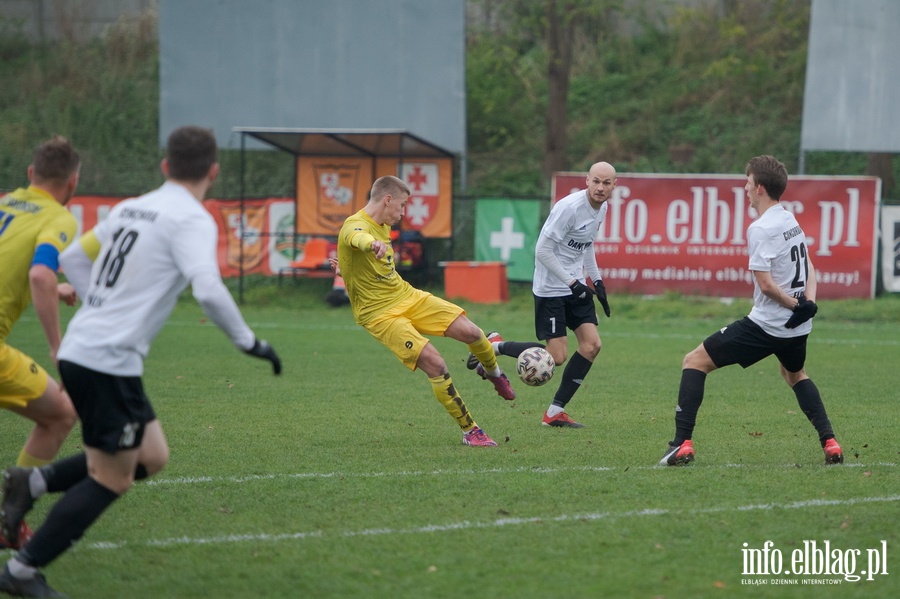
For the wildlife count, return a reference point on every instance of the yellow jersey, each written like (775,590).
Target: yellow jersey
(372,285)
(29,219)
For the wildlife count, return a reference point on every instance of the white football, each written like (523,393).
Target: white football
(535,366)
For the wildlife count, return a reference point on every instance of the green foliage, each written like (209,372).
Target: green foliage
(104,95)
(505,83)
(655,87)
(101,94)
(698,89)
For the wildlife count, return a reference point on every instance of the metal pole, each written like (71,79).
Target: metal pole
(241,228)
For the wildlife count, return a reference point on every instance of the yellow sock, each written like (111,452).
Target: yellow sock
(445,391)
(26,460)
(484,351)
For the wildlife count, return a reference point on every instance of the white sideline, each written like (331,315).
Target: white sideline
(500,522)
(309,326)
(466,472)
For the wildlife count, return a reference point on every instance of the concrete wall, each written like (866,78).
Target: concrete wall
(347,64)
(853,77)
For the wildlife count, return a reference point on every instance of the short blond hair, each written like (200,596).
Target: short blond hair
(388,185)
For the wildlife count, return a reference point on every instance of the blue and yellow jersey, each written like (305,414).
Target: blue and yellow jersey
(372,285)
(34,229)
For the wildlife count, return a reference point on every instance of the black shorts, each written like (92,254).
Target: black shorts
(744,342)
(113,409)
(553,315)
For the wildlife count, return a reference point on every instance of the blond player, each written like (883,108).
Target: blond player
(399,315)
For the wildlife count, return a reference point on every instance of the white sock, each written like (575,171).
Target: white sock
(20,570)
(36,483)
(553,410)
(496,372)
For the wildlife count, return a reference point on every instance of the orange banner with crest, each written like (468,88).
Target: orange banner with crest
(329,189)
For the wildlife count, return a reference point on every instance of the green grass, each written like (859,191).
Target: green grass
(345,478)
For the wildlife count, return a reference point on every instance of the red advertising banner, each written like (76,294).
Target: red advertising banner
(89,210)
(687,233)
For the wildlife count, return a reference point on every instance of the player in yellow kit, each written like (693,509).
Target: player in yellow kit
(399,315)
(34,228)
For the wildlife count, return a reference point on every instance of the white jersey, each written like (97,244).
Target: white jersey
(571,227)
(777,245)
(152,247)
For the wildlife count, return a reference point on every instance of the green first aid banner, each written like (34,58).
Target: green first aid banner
(506,231)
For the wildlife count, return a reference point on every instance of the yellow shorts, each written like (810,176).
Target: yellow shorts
(21,378)
(402,328)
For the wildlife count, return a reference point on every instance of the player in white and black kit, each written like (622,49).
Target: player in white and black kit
(147,251)
(564,264)
(784,294)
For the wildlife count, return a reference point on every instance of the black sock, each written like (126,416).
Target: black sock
(140,473)
(690,396)
(62,474)
(811,403)
(572,378)
(514,348)
(66,523)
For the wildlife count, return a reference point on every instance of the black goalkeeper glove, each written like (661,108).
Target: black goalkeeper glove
(262,349)
(803,312)
(600,290)
(580,290)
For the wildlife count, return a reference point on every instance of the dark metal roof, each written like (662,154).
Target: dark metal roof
(395,143)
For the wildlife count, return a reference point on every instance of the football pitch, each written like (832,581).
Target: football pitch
(346,478)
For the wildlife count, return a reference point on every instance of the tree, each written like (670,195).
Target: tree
(559,33)
(564,23)
(552,28)
(567,24)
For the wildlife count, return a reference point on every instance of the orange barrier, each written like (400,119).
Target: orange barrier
(481,282)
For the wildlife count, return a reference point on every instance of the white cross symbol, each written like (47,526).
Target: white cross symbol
(506,239)
(417,211)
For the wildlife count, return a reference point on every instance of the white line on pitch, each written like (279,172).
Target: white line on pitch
(500,522)
(612,334)
(465,472)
